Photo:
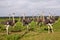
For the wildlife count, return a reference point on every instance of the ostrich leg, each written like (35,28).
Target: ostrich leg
(27,28)
(7,27)
(51,28)
(48,28)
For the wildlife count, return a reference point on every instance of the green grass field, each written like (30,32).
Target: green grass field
(37,34)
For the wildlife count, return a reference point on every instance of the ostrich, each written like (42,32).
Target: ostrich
(7,26)
(37,20)
(26,21)
(41,19)
(49,22)
(9,23)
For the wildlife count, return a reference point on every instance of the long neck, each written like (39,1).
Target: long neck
(23,16)
(13,19)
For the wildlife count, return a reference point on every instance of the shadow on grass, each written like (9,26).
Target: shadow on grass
(23,34)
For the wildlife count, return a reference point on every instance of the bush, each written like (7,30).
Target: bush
(18,27)
(2,28)
(32,25)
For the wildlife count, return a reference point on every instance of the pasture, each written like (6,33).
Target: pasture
(20,32)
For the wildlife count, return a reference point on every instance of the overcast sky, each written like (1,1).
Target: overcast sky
(29,7)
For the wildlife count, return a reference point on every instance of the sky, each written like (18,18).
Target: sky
(29,7)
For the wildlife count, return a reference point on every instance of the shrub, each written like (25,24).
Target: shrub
(18,27)
(2,28)
(32,25)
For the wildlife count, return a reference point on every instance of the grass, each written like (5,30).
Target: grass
(38,34)
(10,37)
(41,36)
